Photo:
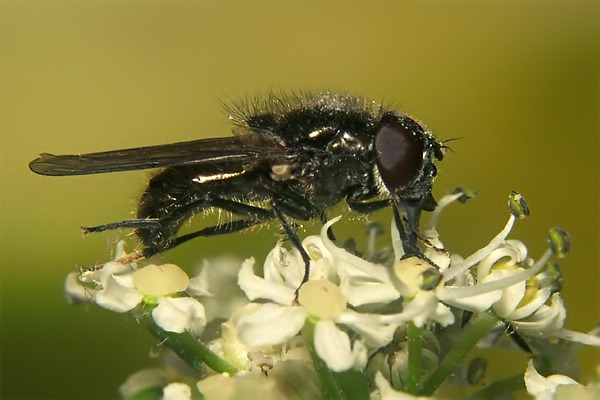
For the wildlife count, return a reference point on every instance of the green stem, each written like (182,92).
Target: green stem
(191,350)
(346,385)
(415,347)
(477,329)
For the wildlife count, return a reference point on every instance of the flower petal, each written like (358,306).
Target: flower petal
(361,281)
(461,297)
(118,297)
(177,391)
(256,287)
(511,296)
(283,266)
(375,335)
(179,315)
(547,320)
(541,296)
(544,388)
(268,324)
(76,292)
(333,346)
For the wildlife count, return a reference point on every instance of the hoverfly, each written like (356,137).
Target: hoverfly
(291,157)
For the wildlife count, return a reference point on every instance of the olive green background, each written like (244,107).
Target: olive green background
(516,81)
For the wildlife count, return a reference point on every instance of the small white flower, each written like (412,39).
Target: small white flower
(216,285)
(544,388)
(177,391)
(275,323)
(120,288)
(180,315)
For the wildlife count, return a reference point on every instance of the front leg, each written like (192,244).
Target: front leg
(357,201)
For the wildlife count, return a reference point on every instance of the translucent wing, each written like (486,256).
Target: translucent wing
(203,151)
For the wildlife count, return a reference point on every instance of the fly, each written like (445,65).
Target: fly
(291,157)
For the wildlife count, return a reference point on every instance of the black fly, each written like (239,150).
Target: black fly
(291,157)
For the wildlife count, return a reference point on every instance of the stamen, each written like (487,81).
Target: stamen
(459,194)
(480,254)
(578,337)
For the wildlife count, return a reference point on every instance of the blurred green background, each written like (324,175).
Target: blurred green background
(516,81)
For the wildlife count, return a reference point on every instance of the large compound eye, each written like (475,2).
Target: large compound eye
(399,153)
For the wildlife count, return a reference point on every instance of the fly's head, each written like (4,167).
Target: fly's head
(404,152)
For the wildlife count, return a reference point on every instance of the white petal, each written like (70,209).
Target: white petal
(544,388)
(578,337)
(75,291)
(268,324)
(283,266)
(422,307)
(116,297)
(374,334)
(511,296)
(216,277)
(361,281)
(179,315)
(333,346)
(256,287)
(110,270)
(361,288)
(177,391)
(532,306)
(514,250)
(546,320)
(419,310)
(199,285)
(360,356)
(459,296)
(443,315)
(322,264)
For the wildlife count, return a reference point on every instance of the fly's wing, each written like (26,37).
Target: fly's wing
(195,152)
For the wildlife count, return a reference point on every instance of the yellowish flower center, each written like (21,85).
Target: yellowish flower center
(410,272)
(322,299)
(160,280)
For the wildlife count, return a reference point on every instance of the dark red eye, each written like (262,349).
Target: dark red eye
(399,151)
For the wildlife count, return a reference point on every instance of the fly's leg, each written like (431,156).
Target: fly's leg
(156,234)
(130,223)
(228,227)
(251,216)
(407,231)
(291,235)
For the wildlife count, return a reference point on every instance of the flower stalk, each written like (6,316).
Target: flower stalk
(477,328)
(195,353)
(415,347)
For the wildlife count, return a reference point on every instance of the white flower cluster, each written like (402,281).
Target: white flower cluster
(353,307)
